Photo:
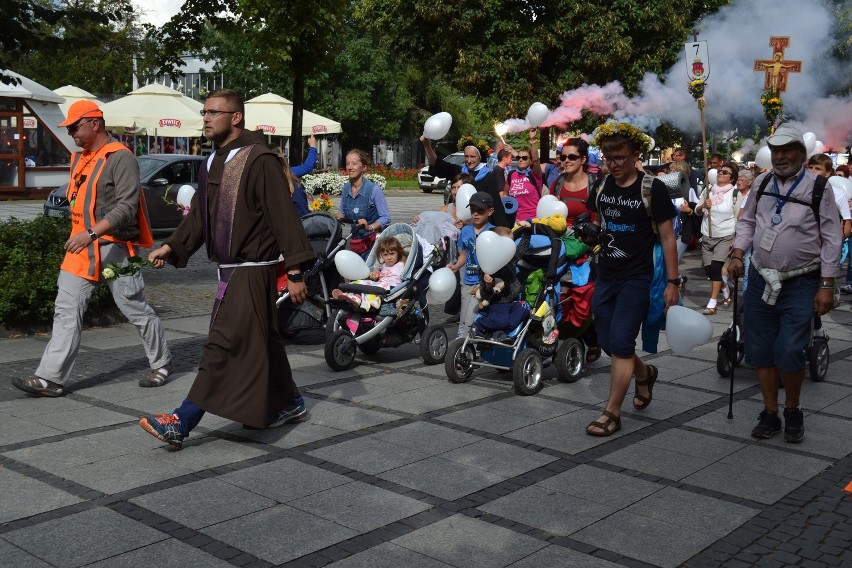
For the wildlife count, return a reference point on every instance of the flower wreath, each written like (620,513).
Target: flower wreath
(479,143)
(612,128)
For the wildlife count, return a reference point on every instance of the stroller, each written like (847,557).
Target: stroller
(402,315)
(325,234)
(534,344)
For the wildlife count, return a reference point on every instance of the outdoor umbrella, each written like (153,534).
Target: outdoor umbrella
(155,110)
(273,115)
(72,94)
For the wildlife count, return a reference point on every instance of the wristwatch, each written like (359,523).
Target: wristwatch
(295,277)
(93,235)
(676,281)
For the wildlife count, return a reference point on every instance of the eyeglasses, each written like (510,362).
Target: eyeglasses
(726,172)
(215,113)
(523,158)
(73,128)
(617,160)
(515,157)
(572,157)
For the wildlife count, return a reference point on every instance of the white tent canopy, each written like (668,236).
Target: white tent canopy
(273,115)
(154,110)
(28,89)
(72,94)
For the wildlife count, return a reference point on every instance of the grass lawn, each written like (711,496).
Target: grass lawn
(403,184)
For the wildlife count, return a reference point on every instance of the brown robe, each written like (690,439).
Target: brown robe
(244,374)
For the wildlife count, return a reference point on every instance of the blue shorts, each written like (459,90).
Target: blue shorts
(776,336)
(620,307)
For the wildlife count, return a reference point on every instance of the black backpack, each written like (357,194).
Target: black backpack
(819,190)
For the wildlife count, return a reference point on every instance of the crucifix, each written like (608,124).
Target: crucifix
(777,68)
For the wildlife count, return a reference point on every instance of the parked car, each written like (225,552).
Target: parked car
(428,183)
(162,176)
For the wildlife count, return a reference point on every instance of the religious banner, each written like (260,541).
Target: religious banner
(697,60)
(777,68)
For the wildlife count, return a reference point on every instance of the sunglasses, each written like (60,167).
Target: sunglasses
(572,157)
(523,158)
(726,172)
(215,113)
(73,128)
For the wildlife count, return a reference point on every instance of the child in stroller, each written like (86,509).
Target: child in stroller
(392,262)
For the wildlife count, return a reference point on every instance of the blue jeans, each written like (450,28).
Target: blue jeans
(776,336)
(620,307)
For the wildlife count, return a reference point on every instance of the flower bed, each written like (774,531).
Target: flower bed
(331,183)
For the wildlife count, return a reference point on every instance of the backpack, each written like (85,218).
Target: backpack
(819,190)
(647,181)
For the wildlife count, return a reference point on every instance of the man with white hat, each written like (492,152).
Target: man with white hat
(796,238)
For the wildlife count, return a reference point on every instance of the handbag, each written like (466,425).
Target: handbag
(359,246)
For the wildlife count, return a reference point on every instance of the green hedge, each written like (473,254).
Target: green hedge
(30,255)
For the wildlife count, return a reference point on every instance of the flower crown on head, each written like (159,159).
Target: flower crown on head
(478,143)
(612,128)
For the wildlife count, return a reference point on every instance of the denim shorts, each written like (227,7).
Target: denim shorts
(776,336)
(620,307)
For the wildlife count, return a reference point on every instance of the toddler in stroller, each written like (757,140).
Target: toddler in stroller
(392,262)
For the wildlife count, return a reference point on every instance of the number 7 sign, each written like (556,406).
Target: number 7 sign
(697,60)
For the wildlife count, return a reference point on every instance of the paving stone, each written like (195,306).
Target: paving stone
(114,475)
(601,486)
(346,418)
(725,478)
(211,452)
(284,480)
(693,444)
(387,555)
(593,390)
(203,503)
(171,551)
(360,506)
(549,510)
(567,433)
(24,497)
(426,437)
(784,464)
(498,458)
(435,397)
(14,430)
(442,478)
(488,419)
(656,461)
(359,391)
(705,514)
(462,541)
(532,406)
(74,420)
(84,537)
(555,556)
(14,556)
(279,534)
(290,435)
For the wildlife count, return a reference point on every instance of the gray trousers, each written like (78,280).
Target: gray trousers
(469,308)
(72,299)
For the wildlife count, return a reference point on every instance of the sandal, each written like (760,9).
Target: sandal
(649,381)
(593,353)
(709,311)
(602,428)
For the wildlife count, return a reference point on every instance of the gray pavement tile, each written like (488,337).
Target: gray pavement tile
(488,419)
(497,457)
(304,379)
(568,433)
(14,430)
(284,480)
(346,418)
(710,380)
(840,371)
(464,542)
(745,418)
(784,464)
(292,436)
(387,555)
(588,390)
(700,512)
(601,486)
(360,506)
(279,534)
(549,510)
(742,482)
(816,396)
(649,540)
(203,503)
(841,407)
(22,349)
(196,324)
(360,391)
(171,551)
(558,557)
(442,478)
(433,397)
(368,454)
(693,444)
(84,537)
(656,461)
(28,406)
(677,363)
(533,406)
(114,475)
(14,556)
(407,380)
(427,438)
(209,452)
(24,497)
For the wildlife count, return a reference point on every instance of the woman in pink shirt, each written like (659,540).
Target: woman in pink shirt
(524,183)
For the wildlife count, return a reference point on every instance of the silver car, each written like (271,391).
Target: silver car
(428,183)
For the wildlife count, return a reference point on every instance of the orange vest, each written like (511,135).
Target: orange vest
(82,194)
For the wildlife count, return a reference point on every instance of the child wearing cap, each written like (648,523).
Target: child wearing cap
(481,208)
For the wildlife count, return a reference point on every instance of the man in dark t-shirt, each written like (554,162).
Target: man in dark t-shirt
(625,266)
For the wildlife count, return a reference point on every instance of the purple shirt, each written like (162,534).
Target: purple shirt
(801,238)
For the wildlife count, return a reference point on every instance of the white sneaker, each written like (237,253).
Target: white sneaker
(846,289)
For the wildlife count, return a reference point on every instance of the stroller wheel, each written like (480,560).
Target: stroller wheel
(818,355)
(459,362)
(527,371)
(340,350)
(433,345)
(569,360)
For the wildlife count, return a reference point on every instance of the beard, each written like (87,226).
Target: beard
(787,168)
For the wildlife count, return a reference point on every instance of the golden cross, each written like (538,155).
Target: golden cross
(777,68)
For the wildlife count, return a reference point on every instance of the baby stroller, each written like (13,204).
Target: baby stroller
(325,233)
(727,355)
(534,344)
(402,315)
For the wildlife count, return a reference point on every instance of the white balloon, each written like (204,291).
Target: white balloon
(184,195)
(819,147)
(537,114)
(840,183)
(550,205)
(763,158)
(463,196)
(652,143)
(437,125)
(712,176)
(686,329)
(350,265)
(442,284)
(810,141)
(493,251)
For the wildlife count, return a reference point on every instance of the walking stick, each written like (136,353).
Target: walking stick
(733,351)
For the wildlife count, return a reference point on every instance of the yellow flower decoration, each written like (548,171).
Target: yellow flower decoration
(612,128)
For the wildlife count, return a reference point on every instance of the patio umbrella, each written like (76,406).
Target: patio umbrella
(273,115)
(72,94)
(155,110)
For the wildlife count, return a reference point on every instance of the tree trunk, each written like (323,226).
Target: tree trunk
(296,141)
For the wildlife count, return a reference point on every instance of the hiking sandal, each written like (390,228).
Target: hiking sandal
(601,429)
(649,381)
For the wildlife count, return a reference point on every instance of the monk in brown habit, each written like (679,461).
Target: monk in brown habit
(243,214)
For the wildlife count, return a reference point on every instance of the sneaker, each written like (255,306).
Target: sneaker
(291,414)
(846,289)
(157,377)
(164,427)
(794,425)
(36,386)
(768,426)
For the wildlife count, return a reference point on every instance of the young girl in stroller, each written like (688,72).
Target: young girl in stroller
(392,263)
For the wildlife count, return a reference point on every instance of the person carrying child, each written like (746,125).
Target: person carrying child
(389,275)
(498,297)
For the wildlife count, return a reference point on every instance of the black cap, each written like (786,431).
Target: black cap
(481,200)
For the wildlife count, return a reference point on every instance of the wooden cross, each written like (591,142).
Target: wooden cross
(777,68)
